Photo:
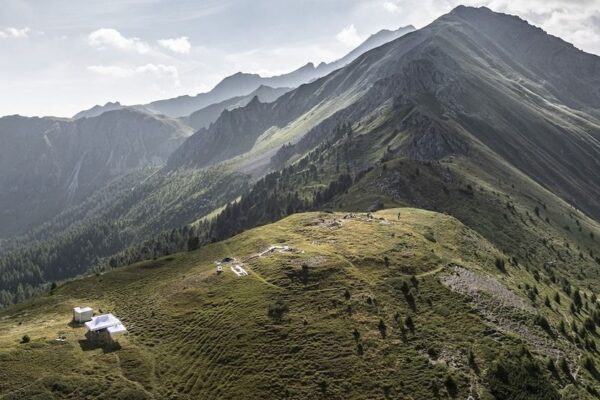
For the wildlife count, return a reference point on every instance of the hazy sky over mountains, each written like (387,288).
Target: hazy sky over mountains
(61,56)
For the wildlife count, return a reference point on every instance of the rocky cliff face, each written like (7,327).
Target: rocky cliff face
(233,133)
(206,116)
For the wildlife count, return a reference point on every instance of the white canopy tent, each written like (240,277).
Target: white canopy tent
(82,314)
(117,330)
(106,321)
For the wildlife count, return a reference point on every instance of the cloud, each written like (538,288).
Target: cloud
(14,33)
(155,70)
(111,38)
(579,27)
(392,7)
(348,36)
(179,45)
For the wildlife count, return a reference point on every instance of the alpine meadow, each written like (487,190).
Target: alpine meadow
(413,212)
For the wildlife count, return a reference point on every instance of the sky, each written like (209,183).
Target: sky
(58,57)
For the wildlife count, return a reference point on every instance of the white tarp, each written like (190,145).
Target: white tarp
(103,321)
(238,270)
(117,330)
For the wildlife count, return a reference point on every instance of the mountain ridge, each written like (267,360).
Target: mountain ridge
(205,116)
(451,80)
(241,83)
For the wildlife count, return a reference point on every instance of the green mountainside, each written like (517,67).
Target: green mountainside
(126,213)
(409,304)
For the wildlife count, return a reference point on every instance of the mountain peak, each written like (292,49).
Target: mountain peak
(308,65)
(483,14)
(470,10)
(255,100)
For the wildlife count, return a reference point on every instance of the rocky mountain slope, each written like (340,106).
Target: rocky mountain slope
(207,115)
(457,85)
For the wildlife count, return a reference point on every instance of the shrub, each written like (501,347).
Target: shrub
(414,281)
(451,386)
(564,366)
(25,339)
(500,264)
(409,323)
(519,376)
(577,299)
(472,361)
(59,387)
(590,325)
(432,353)
(323,386)
(544,324)
(382,328)
(590,344)
(561,327)
(410,299)
(590,365)
(277,310)
(304,273)
(551,366)
(405,289)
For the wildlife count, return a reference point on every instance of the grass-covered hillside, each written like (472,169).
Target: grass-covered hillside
(408,305)
(124,213)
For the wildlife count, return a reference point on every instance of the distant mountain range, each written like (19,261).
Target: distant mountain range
(97,110)
(241,84)
(49,164)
